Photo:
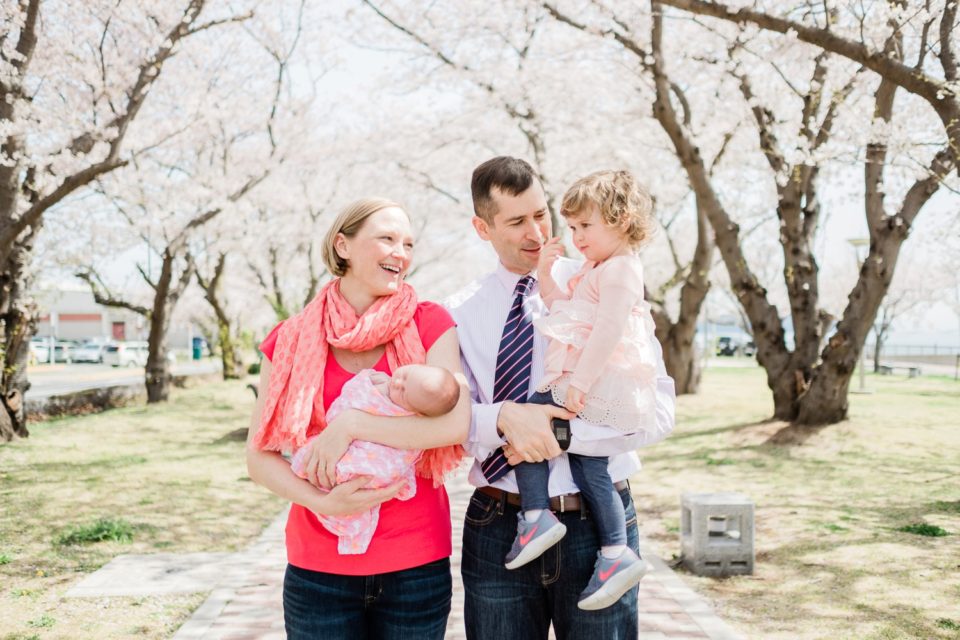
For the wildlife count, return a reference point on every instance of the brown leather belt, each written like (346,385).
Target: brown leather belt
(560,504)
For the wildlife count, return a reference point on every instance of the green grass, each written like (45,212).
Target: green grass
(5,559)
(948,507)
(143,479)
(947,623)
(831,562)
(42,621)
(103,529)
(924,529)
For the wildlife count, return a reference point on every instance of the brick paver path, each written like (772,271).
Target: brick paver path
(245,589)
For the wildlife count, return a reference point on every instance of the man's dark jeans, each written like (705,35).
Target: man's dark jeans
(522,603)
(413,603)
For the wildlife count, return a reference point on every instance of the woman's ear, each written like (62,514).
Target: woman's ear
(341,246)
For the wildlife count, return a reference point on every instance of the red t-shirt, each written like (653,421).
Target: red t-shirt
(410,532)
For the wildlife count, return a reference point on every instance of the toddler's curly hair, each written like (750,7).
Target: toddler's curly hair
(622,201)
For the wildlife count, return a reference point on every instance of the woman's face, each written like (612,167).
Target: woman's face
(379,254)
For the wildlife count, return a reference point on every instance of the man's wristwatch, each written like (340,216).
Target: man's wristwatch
(561,431)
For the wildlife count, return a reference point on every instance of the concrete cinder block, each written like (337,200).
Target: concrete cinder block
(716,533)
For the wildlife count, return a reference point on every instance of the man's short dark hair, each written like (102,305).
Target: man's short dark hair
(510,175)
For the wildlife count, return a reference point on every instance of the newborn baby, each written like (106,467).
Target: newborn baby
(413,389)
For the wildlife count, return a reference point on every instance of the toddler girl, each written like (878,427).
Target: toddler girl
(601,364)
(413,388)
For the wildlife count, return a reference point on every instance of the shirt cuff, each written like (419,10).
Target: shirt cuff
(485,418)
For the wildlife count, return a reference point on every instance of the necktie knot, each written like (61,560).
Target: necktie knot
(524,286)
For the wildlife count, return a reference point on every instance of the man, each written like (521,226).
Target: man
(493,318)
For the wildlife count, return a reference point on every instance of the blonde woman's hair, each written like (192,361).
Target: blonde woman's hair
(622,201)
(349,222)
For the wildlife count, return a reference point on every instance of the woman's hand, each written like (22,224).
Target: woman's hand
(351,497)
(326,450)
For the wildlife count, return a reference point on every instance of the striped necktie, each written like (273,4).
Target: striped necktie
(512,376)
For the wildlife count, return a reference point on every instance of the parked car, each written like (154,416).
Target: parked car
(132,353)
(727,346)
(40,350)
(90,351)
(64,350)
(730,346)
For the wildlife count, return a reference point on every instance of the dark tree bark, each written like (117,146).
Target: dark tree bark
(167,292)
(232,367)
(22,205)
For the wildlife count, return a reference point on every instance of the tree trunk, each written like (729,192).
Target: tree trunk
(158,375)
(166,294)
(18,315)
(786,388)
(677,338)
(825,401)
(679,356)
(877,351)
(232,367)
(158,367)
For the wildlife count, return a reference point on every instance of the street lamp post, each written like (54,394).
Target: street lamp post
(859,244)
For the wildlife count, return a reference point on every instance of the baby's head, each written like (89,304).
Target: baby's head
(424,389)
(619,200)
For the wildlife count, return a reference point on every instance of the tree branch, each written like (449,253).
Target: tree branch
(102,295)
(904,76)
(70,184)
(940,94)
(947,58)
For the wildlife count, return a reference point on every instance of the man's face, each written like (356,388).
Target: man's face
(518,229)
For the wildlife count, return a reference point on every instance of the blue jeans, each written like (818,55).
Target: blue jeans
(413,603)
(592,478)
(522,603)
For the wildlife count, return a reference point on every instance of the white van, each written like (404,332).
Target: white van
(132,353)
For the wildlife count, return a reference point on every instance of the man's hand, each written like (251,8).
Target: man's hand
(527,428)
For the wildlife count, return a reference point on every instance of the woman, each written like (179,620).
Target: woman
(366,318)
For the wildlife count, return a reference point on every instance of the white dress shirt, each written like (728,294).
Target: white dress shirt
(480,311)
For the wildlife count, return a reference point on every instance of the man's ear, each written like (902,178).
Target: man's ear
(481,227)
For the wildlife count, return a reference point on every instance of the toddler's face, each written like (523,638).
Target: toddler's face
(592,237)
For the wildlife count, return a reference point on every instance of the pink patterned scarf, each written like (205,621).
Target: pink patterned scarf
(294,396)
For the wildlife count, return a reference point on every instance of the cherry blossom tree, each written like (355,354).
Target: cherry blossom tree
(176,191)
(524,69)
(73,79)
(809,381)
(862,33)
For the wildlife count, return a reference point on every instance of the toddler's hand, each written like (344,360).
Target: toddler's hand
(549,252)
(575,399)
